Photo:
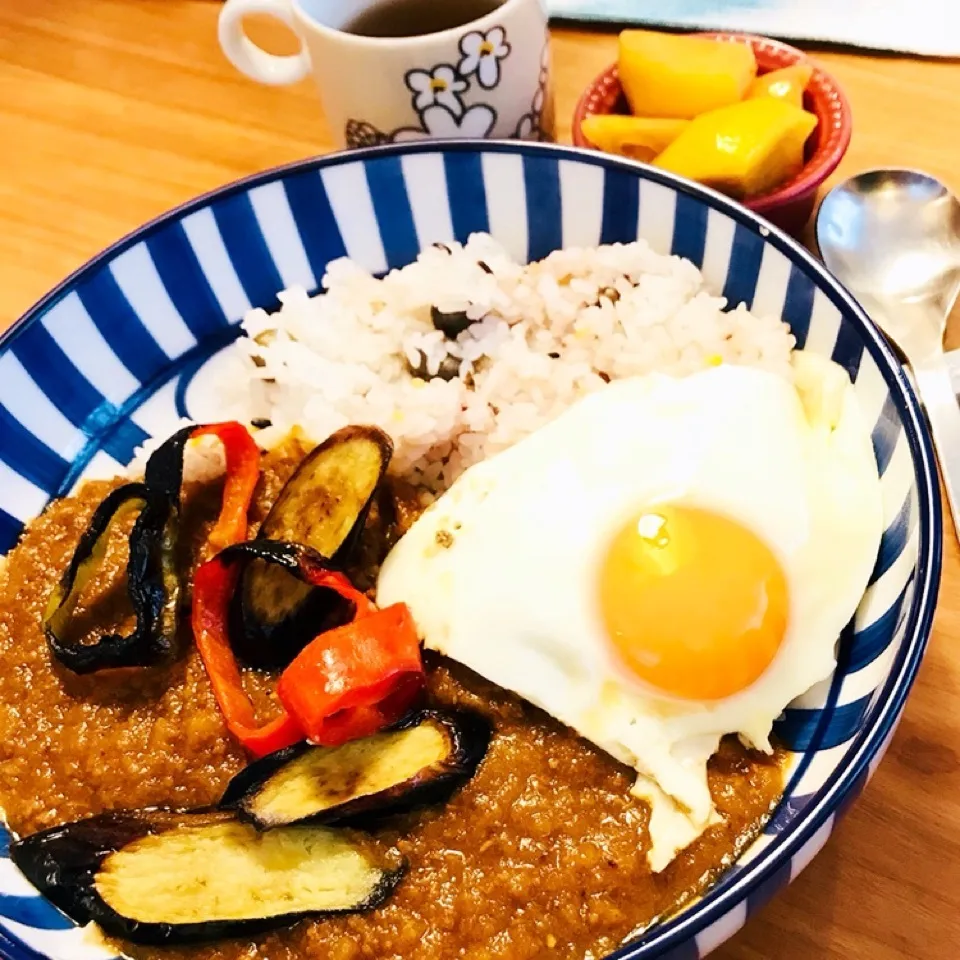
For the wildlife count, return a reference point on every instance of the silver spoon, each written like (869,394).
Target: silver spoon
(893,238)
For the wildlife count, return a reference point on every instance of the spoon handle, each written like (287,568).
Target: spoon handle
(936,392)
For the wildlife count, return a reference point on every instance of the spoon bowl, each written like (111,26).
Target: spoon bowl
(895,235)
(893,238)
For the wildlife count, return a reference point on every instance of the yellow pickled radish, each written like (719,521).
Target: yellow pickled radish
(641,138)
(788,84)
(670,75)
(744,149)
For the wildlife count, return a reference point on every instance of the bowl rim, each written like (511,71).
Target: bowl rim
(888,700)
(813,173)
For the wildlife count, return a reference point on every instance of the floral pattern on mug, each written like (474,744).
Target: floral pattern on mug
(440,86)
(439,104)
(482,53)
(441,124)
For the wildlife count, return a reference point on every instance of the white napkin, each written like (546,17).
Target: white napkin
(927,27)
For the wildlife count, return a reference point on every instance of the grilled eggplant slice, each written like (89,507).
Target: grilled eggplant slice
(324,505)
(167,877)
(153,586)
(421,760)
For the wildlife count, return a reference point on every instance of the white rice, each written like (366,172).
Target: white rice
(545,335)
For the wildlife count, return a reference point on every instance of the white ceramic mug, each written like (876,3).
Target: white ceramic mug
(487,78)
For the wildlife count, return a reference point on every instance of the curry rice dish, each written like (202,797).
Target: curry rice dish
(244,712)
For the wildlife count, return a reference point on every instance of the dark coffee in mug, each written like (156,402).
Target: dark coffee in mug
(392,71)
(415,18)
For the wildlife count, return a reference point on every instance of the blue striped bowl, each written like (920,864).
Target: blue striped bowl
(118,352)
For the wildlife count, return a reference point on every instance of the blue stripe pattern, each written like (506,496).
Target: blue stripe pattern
(798,304)
(186,283)
(744,269)
(248,250)
(893,542)
(848,350)
(874,639)
(621,207)
(541,181)
(392,207)
(876,663)
(74,396)
(468,206)
(13,948)
(315,221)
(885,435)
(66,388)
(122,439)
(123,330)
(33,912)
(690,229)
(801,728)
(25,454)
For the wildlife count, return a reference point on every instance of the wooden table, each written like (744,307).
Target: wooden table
(112,111)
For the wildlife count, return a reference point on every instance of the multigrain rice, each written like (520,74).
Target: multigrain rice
(542,335)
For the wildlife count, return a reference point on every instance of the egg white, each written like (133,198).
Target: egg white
(501,572)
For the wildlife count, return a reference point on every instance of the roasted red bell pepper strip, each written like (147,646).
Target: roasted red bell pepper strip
(356,679)
(213,586)
(347,683)
(242,474)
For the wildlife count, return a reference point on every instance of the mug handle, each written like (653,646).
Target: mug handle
(252,60)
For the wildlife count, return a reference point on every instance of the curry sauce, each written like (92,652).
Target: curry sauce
(541,854)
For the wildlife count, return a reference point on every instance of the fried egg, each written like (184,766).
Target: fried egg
(668,561)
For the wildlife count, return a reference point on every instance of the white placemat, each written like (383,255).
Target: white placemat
(928,27)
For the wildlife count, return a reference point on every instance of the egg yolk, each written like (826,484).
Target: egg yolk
(694,603)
